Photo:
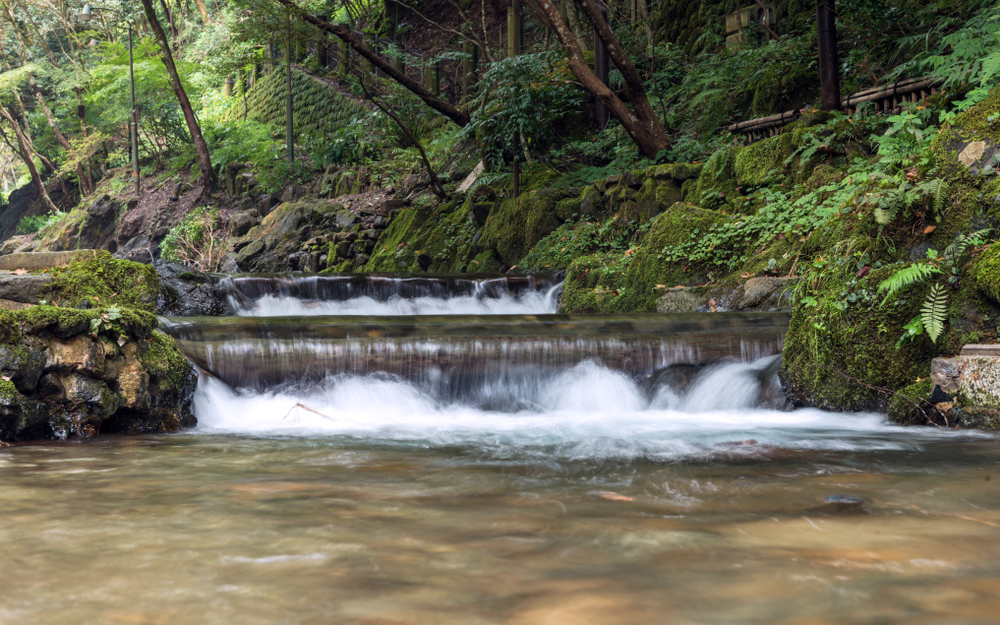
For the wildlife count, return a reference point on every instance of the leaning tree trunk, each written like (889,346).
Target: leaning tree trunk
(640,121)
(24,149)
(208,174)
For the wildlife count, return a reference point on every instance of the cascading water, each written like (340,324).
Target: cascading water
(332,355)
(393,294)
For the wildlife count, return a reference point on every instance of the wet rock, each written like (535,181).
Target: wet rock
(678,301)
(346,219)
(187,293)
(266,203)
(765,292)
(98,230)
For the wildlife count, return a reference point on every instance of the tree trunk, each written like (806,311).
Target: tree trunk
(640,122)
(208,174)
(202,10)
(441,106)
(24,150)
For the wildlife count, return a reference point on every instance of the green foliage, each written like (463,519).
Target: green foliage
(34,223)
(104,281)
(906,277)
(527,96)
(257,143)
(934,312)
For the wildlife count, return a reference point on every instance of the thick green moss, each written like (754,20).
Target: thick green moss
(763,160)
(162,359)
(518,224)
(838,353)
(647,269)
(104,281)
(910,405)
(716,187)
(8,392)
(987,272)
(427,238)
(595,284)
(979,123)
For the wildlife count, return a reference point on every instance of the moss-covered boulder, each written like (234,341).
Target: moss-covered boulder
(103,281)
(81,372)
(281,241)
(841,350)
(440,239)
(518,224)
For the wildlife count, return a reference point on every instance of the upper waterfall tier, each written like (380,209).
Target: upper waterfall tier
(392,294)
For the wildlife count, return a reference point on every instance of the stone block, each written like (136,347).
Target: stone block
(973,380)
(33,261)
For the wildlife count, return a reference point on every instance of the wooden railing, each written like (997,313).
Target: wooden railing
(886,99)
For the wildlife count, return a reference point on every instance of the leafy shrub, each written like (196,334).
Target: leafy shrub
(34,223)
(525,96)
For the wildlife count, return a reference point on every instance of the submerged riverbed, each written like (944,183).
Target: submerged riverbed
(572,513)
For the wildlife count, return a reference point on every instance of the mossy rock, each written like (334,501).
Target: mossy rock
(104,281)
(987,273)
(594,284)
(444,234)
(647,270)
(518,224)
(717,187)
(764,160)
(910,404)
(979,123)
(838,354)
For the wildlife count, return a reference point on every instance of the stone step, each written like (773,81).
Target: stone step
(33,261)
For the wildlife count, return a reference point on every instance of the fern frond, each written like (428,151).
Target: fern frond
(935,311)
(963,241)
(884,216)
(908,276)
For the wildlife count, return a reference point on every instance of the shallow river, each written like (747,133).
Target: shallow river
(383,507)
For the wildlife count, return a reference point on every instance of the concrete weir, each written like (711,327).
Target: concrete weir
(258,352)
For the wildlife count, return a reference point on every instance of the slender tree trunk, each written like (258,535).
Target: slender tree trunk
(200,146)
(640,122)
(24,150)
(202,10)
(384,65)
(170,19)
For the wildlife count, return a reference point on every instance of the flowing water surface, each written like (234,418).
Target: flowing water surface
(577,493)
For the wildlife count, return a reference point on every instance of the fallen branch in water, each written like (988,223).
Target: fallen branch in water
(304,407)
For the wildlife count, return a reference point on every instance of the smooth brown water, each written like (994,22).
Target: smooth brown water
(373,528)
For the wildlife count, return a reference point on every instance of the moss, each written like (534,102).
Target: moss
(594,284)
(822,175)
(717,187)
(73,321)
(557,250)
(837,353)
(486,262)
(979,123)
(444,234)
(987,272)
(8,392)
(104,281)
(518,224)
(783,86)
(162,359)
(763,160)
(909,404)
(647,270)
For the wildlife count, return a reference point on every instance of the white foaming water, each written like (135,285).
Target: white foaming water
(588,412)
(527,303)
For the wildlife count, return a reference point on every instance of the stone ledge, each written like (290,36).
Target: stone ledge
(974,380)
(33,261)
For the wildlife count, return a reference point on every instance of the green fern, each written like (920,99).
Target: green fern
(963,241)
(937,190)
(935,311)
(908,276)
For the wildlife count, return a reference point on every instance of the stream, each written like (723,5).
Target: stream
(385,449)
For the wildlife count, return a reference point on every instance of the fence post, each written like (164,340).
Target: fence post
(227,87)
(829,77)
(470,68)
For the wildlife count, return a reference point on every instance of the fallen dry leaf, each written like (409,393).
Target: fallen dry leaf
(615,497)
(20,272)
(929,229)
